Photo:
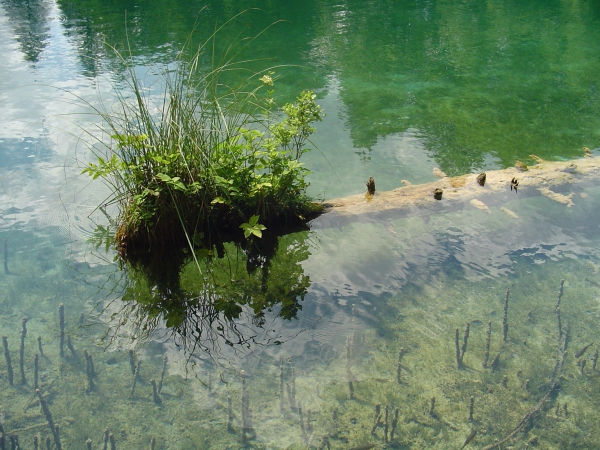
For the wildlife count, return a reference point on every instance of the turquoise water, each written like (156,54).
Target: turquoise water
(357,312)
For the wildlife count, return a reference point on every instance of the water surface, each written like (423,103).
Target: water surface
(353,313)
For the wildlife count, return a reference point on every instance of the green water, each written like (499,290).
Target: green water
(317,320)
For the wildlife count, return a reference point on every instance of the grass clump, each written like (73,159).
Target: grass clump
(210,154)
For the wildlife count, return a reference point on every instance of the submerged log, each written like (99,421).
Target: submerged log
(541,177)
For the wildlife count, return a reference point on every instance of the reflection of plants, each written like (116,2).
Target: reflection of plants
(228,301)
(209,156)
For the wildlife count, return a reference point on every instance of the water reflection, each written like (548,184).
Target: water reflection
(472,81)
(234,295)
(29,20)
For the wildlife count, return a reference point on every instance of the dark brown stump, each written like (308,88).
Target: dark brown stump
(371,186)
(481,179)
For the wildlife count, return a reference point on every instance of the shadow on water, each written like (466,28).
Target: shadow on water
(217,302)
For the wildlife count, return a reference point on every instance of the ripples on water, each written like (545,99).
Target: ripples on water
(354,322)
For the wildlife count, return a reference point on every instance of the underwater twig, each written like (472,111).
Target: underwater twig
(324,443)
(583,350)
(394,423)
(48,415)
(8,362)
(377,418)
(486,353)
(30,427)
(348,352)
(34,400)
(349,375)
(385,425)
(2,437)
(377,412)
(557,308)
(469,438)
(290,397)
(463,349)
(560,293)
(562,345)
(302,424)
(457,350)
(495,362)
(376,422)
(229,414)
(471,405)
(162,373)
(247,428)
(581,364)
(70,347)
(293,384)
(89,371)
(432,407)
(350,389)
(399,366)
(22,350)
(89,363)
(61,319)
(505,317)
(6,271)
(131,361)
(155,395)
(136,375)
(39,339)
(281,384)
(36,371)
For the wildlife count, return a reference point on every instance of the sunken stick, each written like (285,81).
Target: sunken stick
(49,419)
(22,350)
(8,362)
(505,317)
(61,320)
(6,271)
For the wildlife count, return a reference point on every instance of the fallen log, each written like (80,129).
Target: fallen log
(542,177)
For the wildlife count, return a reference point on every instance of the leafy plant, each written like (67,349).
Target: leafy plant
(252,227)
(210,154)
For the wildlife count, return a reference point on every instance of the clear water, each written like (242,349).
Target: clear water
(407,87)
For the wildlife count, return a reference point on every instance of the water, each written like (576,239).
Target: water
(357,311)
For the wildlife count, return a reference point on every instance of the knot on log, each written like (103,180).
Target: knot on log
(371,186)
